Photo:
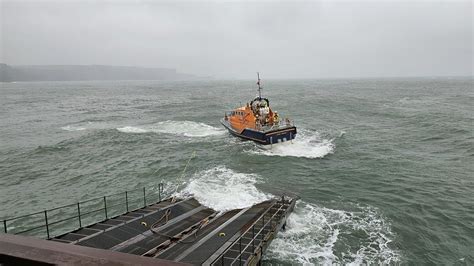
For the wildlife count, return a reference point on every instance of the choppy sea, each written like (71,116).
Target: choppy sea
(384,167)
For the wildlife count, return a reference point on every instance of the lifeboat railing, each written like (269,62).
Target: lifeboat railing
(57,221)
(280,124)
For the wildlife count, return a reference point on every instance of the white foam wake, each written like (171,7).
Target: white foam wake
(183,128)
(306,144)
(312,232)
(223,189)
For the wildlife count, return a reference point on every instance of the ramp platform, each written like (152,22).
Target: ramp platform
(184,231)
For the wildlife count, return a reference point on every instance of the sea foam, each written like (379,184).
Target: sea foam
(313,231)
(307,144)
(183,128)
(223,189)
(73,128)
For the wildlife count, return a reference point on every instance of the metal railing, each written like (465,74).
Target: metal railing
(281,123)
(60,220)
(276,125)
(264,224)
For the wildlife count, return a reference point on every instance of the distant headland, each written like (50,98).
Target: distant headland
(11,73)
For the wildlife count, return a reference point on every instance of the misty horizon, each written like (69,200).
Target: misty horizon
(233,40)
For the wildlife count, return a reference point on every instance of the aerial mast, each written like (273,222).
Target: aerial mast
(259,87)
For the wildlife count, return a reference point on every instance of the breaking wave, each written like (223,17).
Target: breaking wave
(312,232)
(362,236)
(132,130)
(87,125)
(307,144)
(73,128)
(183,128)
(222,189)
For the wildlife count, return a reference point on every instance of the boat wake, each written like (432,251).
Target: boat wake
(307,144)
(312,232)
(222,189)
(182,128)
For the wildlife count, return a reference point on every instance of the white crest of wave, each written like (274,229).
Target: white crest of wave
(132,130)
(183,128)
(312,232)
(222,189)
(87,125)
(306,144)
(73,128)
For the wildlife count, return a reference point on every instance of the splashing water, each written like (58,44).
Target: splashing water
(307,144)
(183,128)
(222,189)
(312,232)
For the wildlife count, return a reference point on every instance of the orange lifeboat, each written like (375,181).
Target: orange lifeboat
(258,122)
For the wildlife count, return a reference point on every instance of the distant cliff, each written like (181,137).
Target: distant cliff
(10,73)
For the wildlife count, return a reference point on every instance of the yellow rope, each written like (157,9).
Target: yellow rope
(184,172)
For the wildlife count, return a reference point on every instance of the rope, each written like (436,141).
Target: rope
(184,171)
(195,227)
(167,213)
(165,216)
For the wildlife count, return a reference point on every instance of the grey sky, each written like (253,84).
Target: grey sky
(317,39)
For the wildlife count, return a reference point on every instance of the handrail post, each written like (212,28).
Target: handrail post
(271,221)
(253,239)
(105,207)
(46,220)
(5,226)
(126,199)
(240,250)
(79,214)
(144,197)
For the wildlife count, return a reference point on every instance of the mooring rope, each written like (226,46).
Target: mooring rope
(167,213)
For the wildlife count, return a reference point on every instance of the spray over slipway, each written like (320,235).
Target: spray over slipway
(312,231)
(381,165)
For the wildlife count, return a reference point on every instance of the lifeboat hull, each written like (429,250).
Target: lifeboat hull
(268,137)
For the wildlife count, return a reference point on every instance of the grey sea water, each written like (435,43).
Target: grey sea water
(384,167)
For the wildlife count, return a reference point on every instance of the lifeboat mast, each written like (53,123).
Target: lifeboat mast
(259,87)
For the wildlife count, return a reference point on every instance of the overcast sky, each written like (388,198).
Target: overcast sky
(317,39)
